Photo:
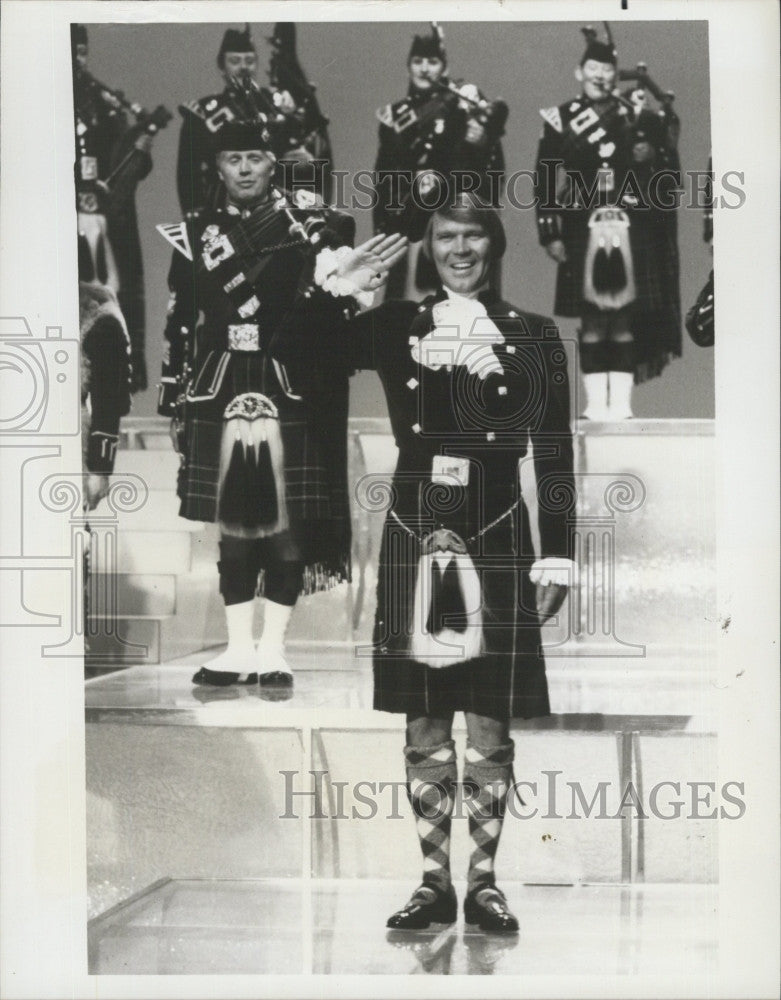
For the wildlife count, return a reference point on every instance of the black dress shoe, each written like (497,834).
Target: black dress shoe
(221,678)
(277,678)
(428,905)
(487,908)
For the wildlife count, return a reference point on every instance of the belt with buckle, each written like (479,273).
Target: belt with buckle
(243,337)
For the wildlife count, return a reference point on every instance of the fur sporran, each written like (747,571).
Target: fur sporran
(447,619)
(608,272)
(251,492)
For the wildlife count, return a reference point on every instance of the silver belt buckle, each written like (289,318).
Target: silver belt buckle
(243,337)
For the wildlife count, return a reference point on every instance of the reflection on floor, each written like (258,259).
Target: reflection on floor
(334,678)
(191,926)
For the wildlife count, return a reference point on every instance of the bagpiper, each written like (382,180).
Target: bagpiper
(302,153)
(263,443)
(439,130)
(112,158)
(607,183)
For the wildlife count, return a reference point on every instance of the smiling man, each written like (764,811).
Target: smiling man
(470,380)
(263,445)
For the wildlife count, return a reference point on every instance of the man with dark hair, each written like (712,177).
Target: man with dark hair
(241,100)
(607,175)
(263,443)
(470,380)
(109,242)
(439,127)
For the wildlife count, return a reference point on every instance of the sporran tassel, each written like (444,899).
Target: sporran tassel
(252,470)
(601,275)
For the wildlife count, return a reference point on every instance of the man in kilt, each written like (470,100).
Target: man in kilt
(607,178)
(470,380)
(264,447)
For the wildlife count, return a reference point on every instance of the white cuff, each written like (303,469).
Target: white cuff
(327,278)
(552,570)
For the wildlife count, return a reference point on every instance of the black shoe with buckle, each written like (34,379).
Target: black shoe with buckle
(487,907)
(222,678)
(428,905)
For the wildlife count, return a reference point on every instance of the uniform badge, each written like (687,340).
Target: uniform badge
(304,199)
(607,149)
(210,233)
(89,168)
(211,105)
(574,106)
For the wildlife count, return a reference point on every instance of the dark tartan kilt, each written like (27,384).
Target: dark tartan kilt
(315,485)
(656,311)
(508,680)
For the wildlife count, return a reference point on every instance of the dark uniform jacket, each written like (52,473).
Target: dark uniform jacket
(105,375)
(218,347)
(427,130)
(594,151)
(103,141)
(490,423)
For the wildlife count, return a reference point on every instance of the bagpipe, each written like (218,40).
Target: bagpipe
(492,115)
(633,98)
(305,127)
(114,101)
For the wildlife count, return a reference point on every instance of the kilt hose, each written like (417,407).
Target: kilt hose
(508,679)
(314,464)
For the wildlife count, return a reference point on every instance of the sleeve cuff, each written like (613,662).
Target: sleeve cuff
(101,451)
(167,396)
(554,570)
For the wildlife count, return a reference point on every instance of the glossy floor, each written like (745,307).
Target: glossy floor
(188,926)
(335,679)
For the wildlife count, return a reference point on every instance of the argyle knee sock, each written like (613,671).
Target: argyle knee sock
(431,780)
(486,780)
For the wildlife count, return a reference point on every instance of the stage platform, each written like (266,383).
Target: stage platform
(227,832)
(292,927)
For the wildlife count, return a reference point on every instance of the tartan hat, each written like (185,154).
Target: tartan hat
(604,52)
(235,41)
(429,46)
(240,136)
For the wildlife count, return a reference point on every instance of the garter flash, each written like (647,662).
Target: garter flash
(447,590)
(608,273)
(251,491)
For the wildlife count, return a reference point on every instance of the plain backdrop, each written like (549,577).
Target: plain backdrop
(358,67)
